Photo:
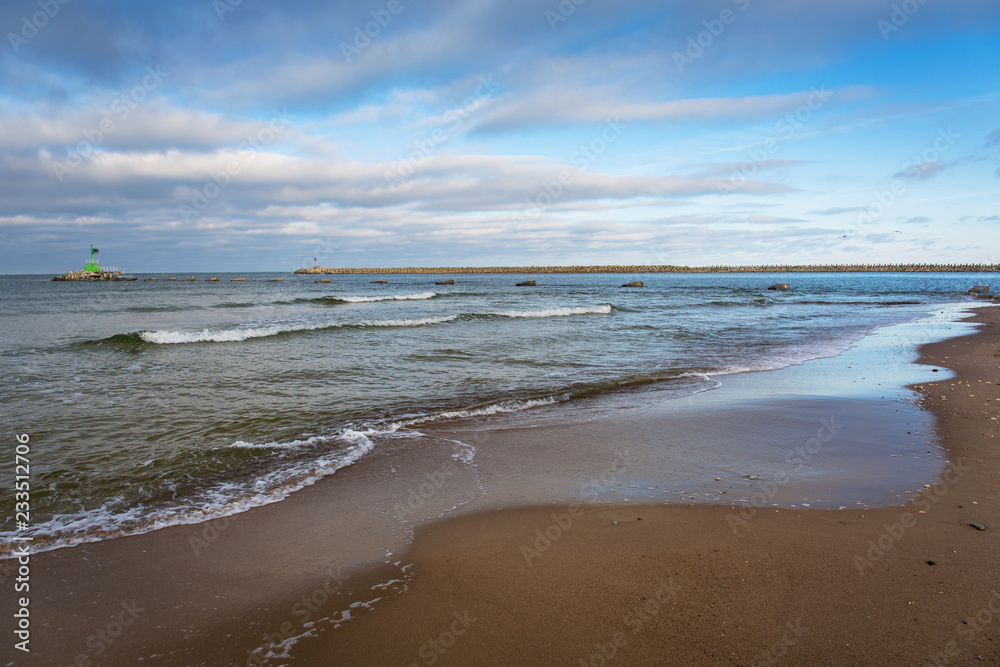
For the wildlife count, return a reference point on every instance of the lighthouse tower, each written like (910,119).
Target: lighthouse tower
(93,265)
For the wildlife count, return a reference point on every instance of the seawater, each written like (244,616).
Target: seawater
(157,403)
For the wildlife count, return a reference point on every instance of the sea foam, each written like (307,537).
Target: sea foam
(241,334)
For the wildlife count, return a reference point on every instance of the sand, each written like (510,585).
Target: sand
(565,583)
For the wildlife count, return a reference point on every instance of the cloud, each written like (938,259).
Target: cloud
(558,104)
(838,210)
(924,171)
(917,220)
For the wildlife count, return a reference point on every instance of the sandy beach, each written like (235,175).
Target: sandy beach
(580,582)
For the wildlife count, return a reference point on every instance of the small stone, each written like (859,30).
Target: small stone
(753,476)
(718,479)
(930,562)
(978,526)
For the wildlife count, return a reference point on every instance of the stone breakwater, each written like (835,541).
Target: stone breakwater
(91,275)
(617,268)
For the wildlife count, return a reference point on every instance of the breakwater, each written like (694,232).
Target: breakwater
(647,268)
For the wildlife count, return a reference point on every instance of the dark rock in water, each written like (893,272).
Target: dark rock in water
(187,280)
(980,289)
(526,283)
(237,280)
(978,526)
(780,286)
(322,280)
(211,280)
(276,280)
(445,282)
(637,283)
(380,281)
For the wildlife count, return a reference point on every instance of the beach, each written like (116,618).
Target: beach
(542,552)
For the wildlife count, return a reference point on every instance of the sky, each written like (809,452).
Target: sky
(242,135)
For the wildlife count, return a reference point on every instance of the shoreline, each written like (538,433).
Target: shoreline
(909,584)
(666,268)
(575,594)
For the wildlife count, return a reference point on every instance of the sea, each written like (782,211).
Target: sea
(157,403)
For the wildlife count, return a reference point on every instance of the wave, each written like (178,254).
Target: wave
(369,299)
(241,334)
(223,500)
(604,309)
(502,407)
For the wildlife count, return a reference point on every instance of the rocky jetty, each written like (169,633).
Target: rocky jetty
(92,275)
(780,287)
(665,268)
(637,283)
(526,283)
(445,282)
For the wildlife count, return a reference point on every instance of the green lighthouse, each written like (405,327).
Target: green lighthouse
(93,264)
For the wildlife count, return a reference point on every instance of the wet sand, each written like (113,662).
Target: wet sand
(593,578)
(658,585)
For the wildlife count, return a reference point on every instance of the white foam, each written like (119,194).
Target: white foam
(485,411)
(241,334)
(396,297)
(104,522)
(604,309)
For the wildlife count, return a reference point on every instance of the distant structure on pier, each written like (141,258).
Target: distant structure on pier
(92,271)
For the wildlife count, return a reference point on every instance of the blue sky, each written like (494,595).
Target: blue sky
(244,135)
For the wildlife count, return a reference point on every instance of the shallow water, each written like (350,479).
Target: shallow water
(153,403)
